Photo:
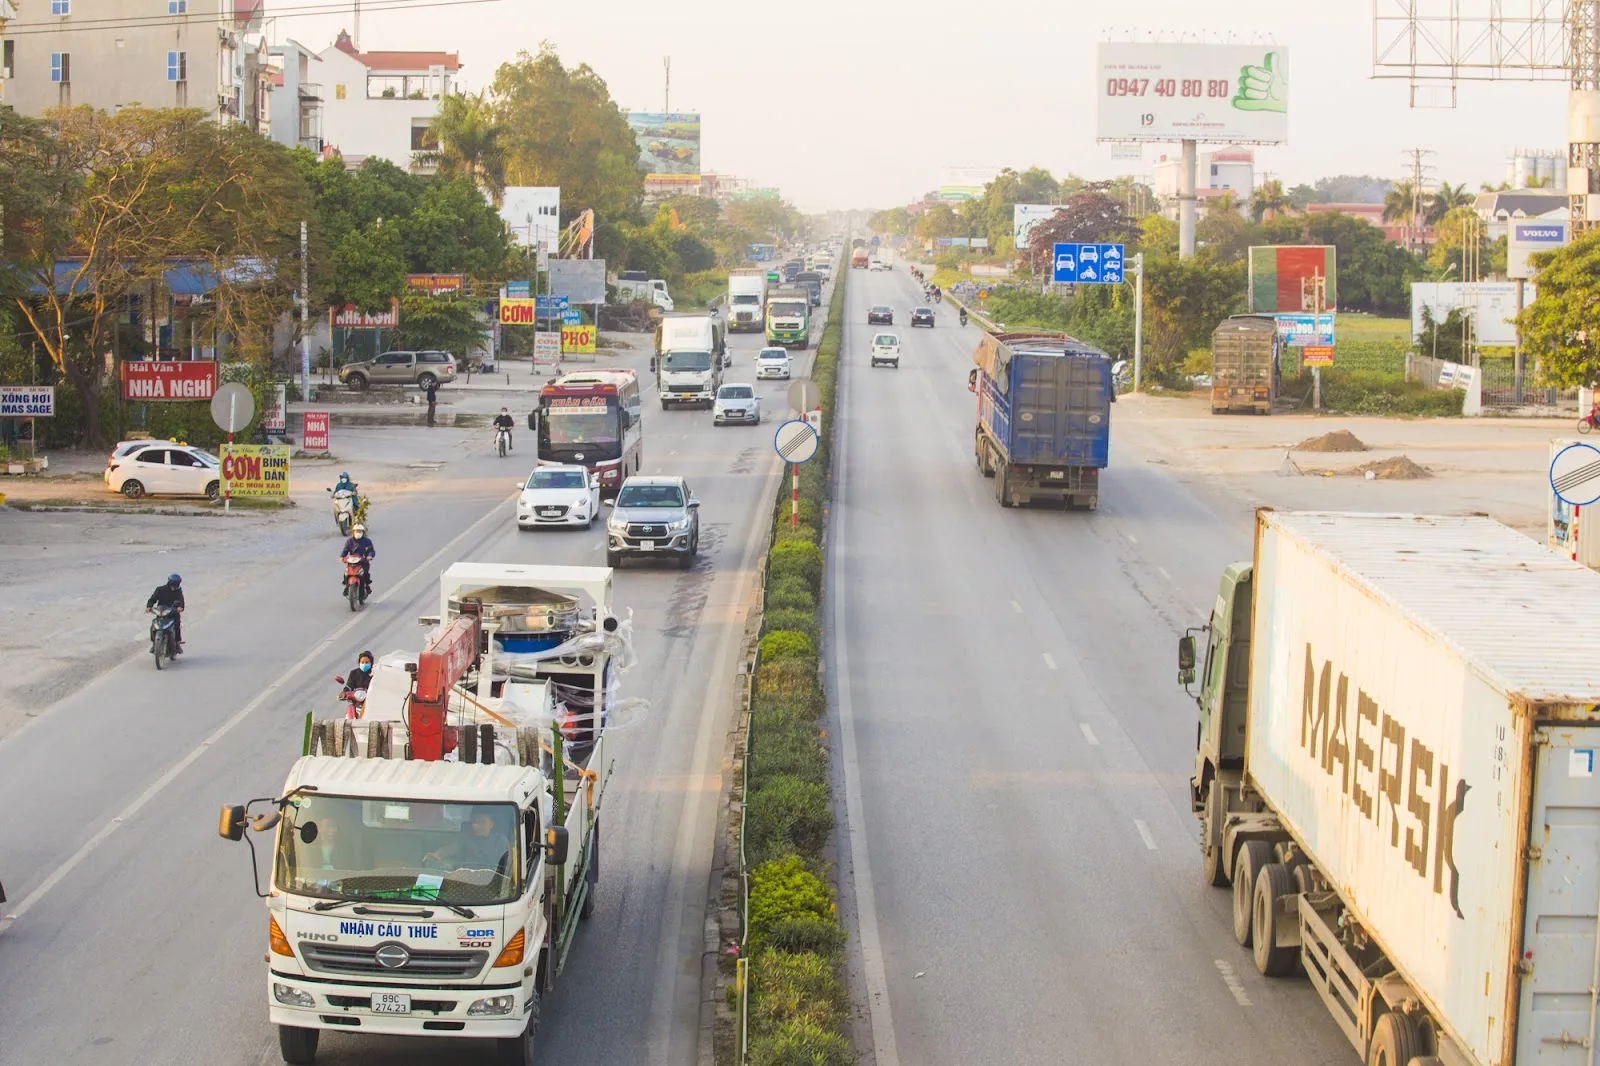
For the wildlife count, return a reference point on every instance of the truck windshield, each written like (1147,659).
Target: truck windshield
(747,298)
(348,847)
(787,309)
(687,361)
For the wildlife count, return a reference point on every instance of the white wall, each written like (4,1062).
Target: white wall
(358,126)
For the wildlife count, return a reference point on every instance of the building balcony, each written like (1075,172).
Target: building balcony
(310,91)
(313,143)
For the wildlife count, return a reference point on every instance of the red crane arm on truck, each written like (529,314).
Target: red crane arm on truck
(445,661)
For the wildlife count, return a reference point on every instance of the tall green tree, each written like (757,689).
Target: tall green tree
(467,139)
(1445,199)
(1563,324)
(1268,200)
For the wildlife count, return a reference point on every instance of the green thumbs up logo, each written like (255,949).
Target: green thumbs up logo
(1263,88)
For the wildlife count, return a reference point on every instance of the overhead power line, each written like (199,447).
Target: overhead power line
(160,21)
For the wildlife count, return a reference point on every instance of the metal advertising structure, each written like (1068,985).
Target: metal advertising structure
(314,431)
(965,183)
(581,281)
(1492,304)
(1026,216)
(669,146)
(1216,93)
(1530,238)
(1278,275)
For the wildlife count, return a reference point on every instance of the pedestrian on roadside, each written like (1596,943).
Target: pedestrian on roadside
(431,389)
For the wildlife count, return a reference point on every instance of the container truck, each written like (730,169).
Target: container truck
(1044,417)
(431,860)
(859,258)
(1395,770)
(789,318)
(1244,365)
(747,297)
(689,358)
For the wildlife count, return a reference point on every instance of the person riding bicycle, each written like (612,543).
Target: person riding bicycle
(504,421)
(358,543)
(170,595)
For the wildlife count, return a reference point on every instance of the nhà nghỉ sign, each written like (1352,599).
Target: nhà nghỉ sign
(148,379)
(27,401)
(352,317)
(255,470)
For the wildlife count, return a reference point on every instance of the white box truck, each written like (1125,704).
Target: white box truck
(1399,717)
(689,356)
(747,300)
(431,861)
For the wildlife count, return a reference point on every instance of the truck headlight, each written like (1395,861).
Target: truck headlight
(291,996)
(492,1006)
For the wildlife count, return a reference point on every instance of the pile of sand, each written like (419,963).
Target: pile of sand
(1399,468)
(1339,441)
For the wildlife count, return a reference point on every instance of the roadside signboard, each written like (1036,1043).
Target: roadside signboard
(518,290)
(1300,331)
(1217,93)
(1088,264)
(579,338)
(436,284)
(352,317)
(1317,355)
(552,305)
(1530,238)
(1492,305)
(1279,275)
(796,441)
(572,318)
(232,407)
(147,379)
(547,347)
(255,470)
(27,401)
(314,432)
(516,312)
(1575,474)
(275,418)
(804,396)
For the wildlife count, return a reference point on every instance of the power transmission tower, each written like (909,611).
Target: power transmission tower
(1420,172)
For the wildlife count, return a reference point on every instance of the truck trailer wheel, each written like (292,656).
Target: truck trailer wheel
(1395,1042)
(297,1046)
(518,1050)
(1273,883)
(1253,855)
(1002,488)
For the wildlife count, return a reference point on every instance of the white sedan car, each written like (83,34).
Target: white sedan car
(162,468)
(886,350)
(773,363)
(736,403)
(558,496)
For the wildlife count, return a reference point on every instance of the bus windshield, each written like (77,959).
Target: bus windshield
(348,847)
(579,420)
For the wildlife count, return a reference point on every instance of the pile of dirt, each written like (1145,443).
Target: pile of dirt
(1399,468)
(1339,441)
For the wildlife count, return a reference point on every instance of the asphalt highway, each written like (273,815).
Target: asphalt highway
(1019,861)
(133,932)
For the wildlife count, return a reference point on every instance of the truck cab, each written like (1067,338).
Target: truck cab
(632,285)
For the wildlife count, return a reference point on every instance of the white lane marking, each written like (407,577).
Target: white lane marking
(874,975)
(1015,606)
(1088,734)
(1144,834)
(127,813)
(1163,572)
(1131,538)
(684,437)
(1231,979)
(1050,661)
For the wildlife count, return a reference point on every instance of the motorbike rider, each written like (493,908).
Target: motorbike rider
(344,484)
(358,543)
(359,679)
(963,316)
(170,595)
(504,421)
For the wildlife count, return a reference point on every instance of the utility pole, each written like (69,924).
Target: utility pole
(355,33)
(1419,174)
(1186,199)
(305,315)
(666,100)
(1313,295)
(1138,319)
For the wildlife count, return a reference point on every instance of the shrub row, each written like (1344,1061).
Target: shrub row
(799,1008)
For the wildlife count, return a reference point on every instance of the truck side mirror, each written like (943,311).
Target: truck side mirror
(555,844)
(230,823)
(1186,660)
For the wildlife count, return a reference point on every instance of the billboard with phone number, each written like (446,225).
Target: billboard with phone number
(1217,93)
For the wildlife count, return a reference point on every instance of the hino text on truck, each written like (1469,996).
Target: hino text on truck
(431,861)
(1396,772)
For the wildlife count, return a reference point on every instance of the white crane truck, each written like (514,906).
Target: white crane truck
(431,860)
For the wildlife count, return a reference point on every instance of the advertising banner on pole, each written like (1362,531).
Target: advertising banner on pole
(518,290)
(274,417)
(1026,216)
(1492,305)
(1217,93)
(27,401)
(581,281)
(314,432)
(1301,331)
(1531,238)
(436,284)
(255,470)
(669,146)
(1317,355)
(1278,274)
(147,379)
(352,317)
(579,338)
(547,347)
(517,312)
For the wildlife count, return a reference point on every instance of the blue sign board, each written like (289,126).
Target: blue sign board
(571,318)
(1301,331)
(550,305)
(519,290)
(1088,264)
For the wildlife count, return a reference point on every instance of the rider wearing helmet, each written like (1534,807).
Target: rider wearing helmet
(358,543)
(344,484)
(170,595)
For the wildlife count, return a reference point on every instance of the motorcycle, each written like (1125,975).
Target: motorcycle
(348,510)
(1588,422)
(963,316)
(355,700)
(502,440)
(164,633)
(355,590)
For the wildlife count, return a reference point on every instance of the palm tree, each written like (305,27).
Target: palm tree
(466,141)
(1446,199)
(1268,200)
(1399,203)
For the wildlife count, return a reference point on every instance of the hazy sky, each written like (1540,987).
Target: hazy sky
(863,103)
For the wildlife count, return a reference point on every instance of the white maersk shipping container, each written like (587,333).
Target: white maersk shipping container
(1415,819)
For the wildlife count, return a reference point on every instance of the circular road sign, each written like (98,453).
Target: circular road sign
(232,407)
(796,442)
(804,396)
(1575,474)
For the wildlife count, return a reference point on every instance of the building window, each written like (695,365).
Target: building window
(61,67)
(422,139)
(177,7)
(8,58)
(177,66)
(60,7)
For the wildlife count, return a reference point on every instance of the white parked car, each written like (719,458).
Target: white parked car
(162,468)
(558,495)
(886,350)
(773,363)
(736,403)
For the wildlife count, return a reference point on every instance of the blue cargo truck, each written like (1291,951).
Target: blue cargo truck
(1044,417)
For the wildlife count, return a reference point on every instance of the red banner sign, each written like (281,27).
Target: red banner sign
(437,284)
(314,432)
(352,317)
(144,379)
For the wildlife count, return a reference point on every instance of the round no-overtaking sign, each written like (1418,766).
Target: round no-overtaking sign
(796,442)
